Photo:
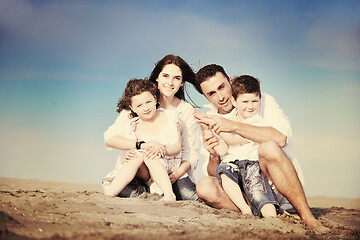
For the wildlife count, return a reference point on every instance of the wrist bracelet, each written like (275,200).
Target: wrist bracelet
(138,144)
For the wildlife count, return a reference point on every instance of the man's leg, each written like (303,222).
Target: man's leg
(209,190)
(278,168)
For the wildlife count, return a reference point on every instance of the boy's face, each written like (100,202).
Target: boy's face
(247,104)
(217,90)
(144,105)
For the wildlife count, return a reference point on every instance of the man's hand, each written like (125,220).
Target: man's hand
(202,119)
(219,124)
(209,139)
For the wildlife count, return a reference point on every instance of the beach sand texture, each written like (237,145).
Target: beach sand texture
(32,209)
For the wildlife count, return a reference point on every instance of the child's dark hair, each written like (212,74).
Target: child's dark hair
(245,84)
(207,72)
(135,87)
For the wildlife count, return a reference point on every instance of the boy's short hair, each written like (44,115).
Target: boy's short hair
(207,72)
(245,84)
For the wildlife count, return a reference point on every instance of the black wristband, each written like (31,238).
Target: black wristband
(138,144)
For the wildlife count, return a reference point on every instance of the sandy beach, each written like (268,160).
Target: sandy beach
(32,209)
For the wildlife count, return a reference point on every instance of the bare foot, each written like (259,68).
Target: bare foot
(246,211)
(169,198)
(317,226)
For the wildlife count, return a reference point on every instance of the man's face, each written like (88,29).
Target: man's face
(217,90)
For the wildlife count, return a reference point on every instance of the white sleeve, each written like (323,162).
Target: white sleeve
(120,127)
(190,133)
(274,116)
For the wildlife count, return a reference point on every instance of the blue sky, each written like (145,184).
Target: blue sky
(64,64)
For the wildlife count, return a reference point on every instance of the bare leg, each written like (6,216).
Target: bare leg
(278,168)
(209,190)
(124,176)
(159,175)
(233,190)
(268,210)
(143,173)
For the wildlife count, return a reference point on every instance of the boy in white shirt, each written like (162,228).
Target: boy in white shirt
(239,168)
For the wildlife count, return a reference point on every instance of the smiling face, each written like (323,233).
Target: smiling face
(217,90)
(170,80)
(144,105)
(247,104)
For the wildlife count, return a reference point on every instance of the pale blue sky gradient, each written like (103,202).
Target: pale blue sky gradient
(64,64)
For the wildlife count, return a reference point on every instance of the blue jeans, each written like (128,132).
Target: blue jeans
(185,189)
(247,174)
(135,188)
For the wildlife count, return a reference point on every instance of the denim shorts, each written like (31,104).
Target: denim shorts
(252,181)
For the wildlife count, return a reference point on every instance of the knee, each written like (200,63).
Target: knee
(206,189)
(269,152)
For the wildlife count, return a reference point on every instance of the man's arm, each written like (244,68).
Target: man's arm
(260,134)
(254,133)
(214,161)
(210,141)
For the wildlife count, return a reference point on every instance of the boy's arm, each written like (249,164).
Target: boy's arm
(222,148)
(233,138)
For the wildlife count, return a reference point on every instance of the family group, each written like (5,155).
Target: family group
(244,140)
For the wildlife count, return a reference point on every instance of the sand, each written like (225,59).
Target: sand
(32,209)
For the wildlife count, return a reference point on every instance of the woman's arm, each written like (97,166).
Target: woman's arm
(190,135)
(176,173)
(121,143)
(174,149)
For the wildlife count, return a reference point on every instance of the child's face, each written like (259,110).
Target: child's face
(170,80)
(144,105)
(247,104)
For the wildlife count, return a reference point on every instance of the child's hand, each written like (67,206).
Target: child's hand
(160,148)
(152,153)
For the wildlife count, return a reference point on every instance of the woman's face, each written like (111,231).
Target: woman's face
(144,105)
(170,80)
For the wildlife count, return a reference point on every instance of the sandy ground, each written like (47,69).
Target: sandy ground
(32,209)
